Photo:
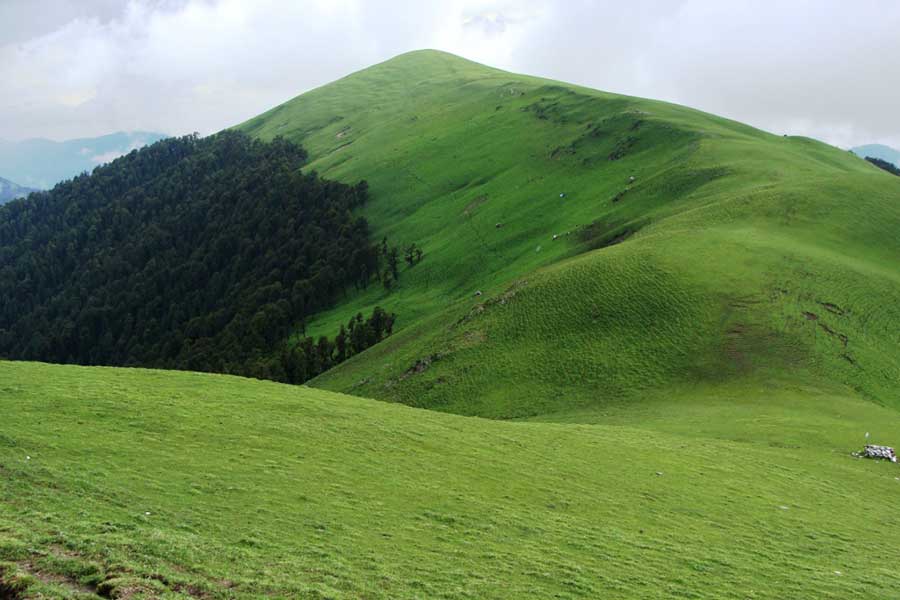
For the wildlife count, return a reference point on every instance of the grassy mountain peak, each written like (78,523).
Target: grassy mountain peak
(583,247)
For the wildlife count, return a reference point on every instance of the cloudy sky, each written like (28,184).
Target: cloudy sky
(70,68)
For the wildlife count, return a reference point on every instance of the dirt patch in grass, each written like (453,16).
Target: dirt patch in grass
(421,365)
(622,147)
(601,234)
(65,581)
(501,300)
(734,347)
(842,337)
(16,579)
(620,195)
(12,585)
(473,338)
(474,204)
(339,148)
(832,308)
(561,151)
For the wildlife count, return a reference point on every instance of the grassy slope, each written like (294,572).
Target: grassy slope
(740,233)
(154,484)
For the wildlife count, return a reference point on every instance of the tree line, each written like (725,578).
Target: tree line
(193,253)
(302,360)
(883,164)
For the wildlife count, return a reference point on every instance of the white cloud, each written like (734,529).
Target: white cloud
(818,68)
(201,66)
(106,157)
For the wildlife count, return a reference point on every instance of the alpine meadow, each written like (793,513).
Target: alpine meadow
(556,343)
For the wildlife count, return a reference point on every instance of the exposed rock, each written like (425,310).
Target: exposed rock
(503,298)
(421,365)
(620,195)
(880,452)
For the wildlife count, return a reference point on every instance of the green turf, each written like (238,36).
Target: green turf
(752,254)
(148,484)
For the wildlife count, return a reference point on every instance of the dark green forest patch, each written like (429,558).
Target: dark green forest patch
(201,254)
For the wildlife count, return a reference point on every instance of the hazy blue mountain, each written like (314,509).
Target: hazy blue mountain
(878,151)
(11,191)
(40,163)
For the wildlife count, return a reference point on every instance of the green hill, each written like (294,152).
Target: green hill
(733,256)
(148,484)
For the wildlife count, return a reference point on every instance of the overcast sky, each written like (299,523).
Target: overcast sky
(71,68)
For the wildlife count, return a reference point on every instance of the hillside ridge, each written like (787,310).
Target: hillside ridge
(519,185)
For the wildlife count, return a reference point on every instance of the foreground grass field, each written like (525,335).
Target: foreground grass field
(144,484)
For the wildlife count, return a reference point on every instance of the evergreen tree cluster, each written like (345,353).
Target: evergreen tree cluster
(883,164)
(193,253)
(413,255)
(304,360)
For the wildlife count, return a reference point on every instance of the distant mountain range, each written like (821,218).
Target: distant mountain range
(41,163)
(11,191)
(878,151)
